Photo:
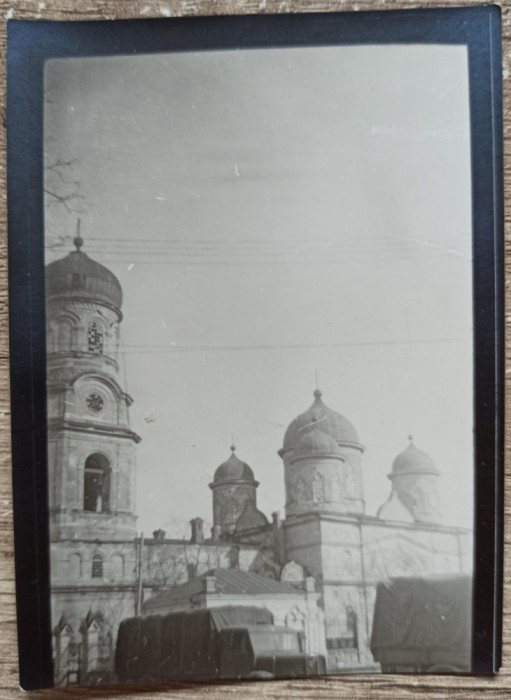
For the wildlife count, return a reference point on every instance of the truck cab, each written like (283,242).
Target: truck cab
(265,651)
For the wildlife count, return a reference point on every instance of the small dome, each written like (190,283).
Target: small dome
(330,422)
(80,277)
(233,469)
(315,442)
(413,461)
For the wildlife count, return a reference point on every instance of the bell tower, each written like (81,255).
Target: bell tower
(91,448)
(234,488)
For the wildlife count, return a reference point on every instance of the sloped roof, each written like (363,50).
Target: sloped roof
(251,518)
(227,582)
(394,509)
(234,581)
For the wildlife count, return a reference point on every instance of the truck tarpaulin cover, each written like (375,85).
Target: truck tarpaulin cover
(422,614)
(199,633)
(181,644)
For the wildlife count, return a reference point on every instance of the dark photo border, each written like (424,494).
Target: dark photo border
(30,44)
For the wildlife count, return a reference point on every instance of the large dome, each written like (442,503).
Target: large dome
(233,469)
(325,419)
(80,277)
(413,461)
(315,442)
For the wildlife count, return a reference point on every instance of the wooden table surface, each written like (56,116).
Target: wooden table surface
(348,687)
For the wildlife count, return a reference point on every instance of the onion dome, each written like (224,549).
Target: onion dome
(233,469)
(325,419)
(78,276)
(413,461)
(315,442)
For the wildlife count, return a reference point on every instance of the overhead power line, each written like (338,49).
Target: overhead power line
(256,252)
(149,349)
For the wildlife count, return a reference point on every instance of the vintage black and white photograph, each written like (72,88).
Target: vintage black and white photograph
(259,362)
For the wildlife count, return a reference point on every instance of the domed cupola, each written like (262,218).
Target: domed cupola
(233,469)
(83,308)
(322,462)
(315,443)
(319,415)
(233,485)
(414,479)
(413,461)
(78,276)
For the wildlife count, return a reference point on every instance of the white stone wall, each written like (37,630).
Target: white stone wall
(302,538)
(349,556)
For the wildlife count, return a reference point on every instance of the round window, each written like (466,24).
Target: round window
(94,402)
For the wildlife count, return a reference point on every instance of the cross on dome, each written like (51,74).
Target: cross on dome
(78,240)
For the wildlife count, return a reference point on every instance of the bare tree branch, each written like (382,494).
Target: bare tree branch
(62,188)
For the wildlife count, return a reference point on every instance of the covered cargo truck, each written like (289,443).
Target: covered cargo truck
(423,625)
(224,642)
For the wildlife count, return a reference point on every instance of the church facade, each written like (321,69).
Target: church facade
(101,572)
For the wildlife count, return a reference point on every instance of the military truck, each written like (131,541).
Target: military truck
(423,625)
(218,643)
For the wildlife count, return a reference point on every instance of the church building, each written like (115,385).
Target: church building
(327,548)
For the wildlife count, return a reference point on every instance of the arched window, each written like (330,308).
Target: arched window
(117,566)
(75,565)
(97,566)
(318,488)
(96,648)
(95,339)
(63,335)
(66,654)
(335,489)
(419,501)
(231,515)
(300,496)
(96,486)
(349,480)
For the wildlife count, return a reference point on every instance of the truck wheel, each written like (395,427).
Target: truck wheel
(261,676)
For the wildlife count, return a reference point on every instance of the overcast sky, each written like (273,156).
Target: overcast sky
(273,215)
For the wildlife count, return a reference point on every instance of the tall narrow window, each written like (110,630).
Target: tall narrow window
(117,566)
(66,661)
(231,515)
(300,495)
(96,484)
(64,334)
(74,565)
(95,339)
(97,566)
(318,488)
